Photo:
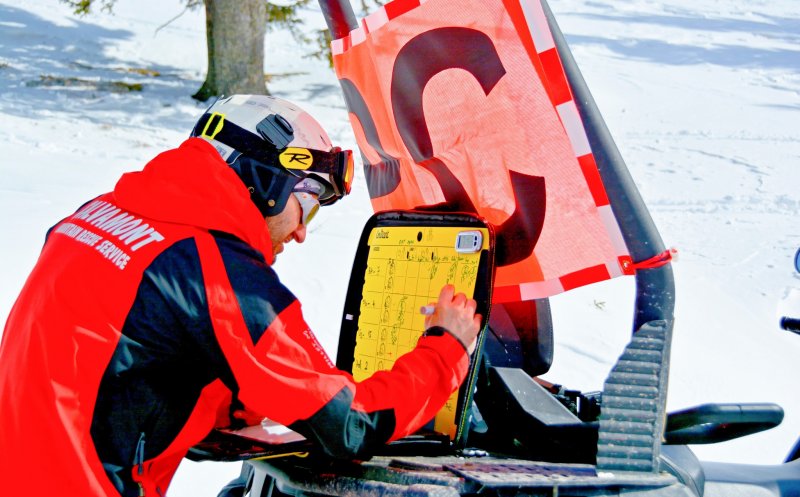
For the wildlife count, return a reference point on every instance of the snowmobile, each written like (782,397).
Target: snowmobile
(509,433)
(525,436)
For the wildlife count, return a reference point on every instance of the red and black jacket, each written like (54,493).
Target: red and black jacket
(148,310)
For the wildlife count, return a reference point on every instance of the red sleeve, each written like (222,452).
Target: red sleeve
(418,385)
(288,378)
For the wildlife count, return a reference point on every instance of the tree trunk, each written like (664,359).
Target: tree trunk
(235,32)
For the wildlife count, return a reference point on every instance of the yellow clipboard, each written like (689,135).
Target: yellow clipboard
(402,262)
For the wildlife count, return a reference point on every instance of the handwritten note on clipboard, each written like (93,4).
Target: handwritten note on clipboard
(406,268)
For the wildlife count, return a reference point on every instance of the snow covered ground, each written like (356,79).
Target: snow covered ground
(702,97)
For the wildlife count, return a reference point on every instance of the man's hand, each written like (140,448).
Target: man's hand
(456,314)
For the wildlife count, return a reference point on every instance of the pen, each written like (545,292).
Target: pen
(427,310)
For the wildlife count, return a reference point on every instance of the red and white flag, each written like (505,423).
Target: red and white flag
(463,105)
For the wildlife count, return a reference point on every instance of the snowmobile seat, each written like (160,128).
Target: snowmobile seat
(521,336)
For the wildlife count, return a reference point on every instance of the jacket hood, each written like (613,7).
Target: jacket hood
(192,185)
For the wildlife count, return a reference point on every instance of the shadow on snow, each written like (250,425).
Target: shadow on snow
(47,68)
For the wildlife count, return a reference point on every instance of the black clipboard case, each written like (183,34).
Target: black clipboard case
(482,293)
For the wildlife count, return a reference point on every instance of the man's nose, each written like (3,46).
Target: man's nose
(300,233)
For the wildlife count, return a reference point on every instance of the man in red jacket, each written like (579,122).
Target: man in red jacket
(152,306)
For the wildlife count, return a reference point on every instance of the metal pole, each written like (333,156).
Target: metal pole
(648,353)
(655,288)
(339,16)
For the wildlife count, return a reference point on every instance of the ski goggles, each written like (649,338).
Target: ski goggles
(307,194)
(334,169)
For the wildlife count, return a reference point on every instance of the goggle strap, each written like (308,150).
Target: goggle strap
(248,144)
(238,138)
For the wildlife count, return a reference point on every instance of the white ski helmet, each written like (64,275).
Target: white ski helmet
(273,144)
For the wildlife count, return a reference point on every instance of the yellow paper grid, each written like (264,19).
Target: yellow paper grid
(406,269)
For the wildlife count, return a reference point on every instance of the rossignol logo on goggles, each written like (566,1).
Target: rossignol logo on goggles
(296,158)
